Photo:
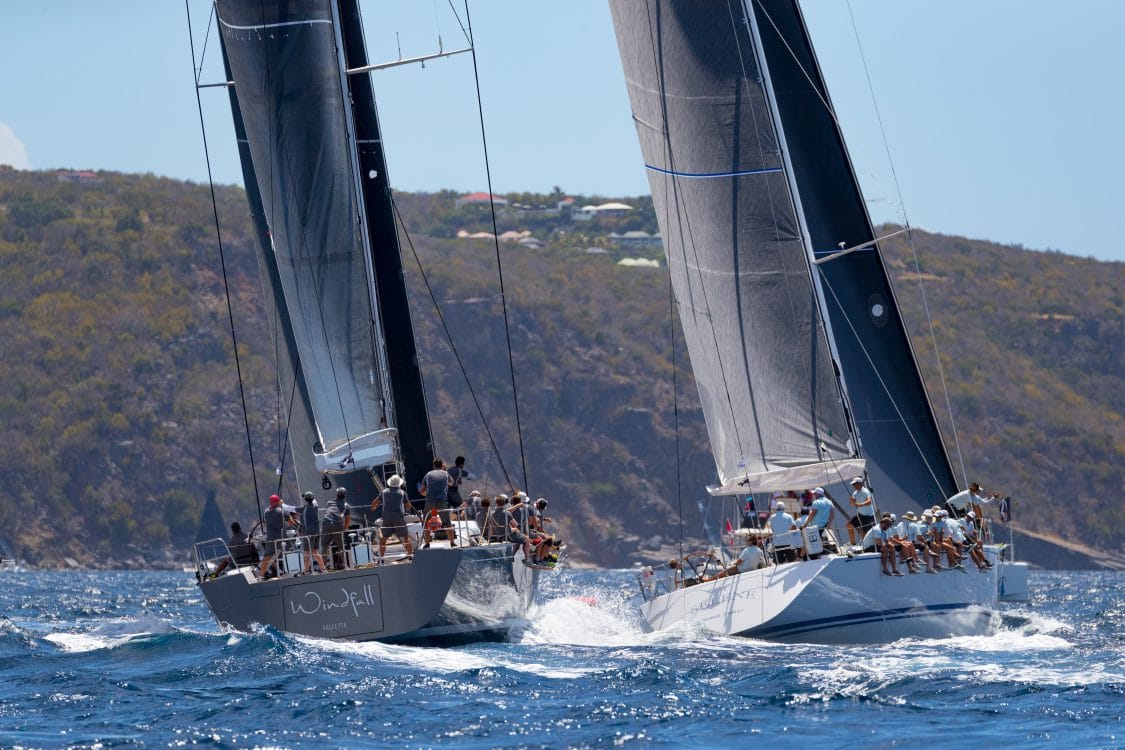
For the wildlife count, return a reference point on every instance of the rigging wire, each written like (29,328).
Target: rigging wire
(913,248)
(879,377)
(452,343)
(909,230)
(496,242)
(675,413)
(223,264)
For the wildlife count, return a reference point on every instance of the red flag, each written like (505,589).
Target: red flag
(728,529)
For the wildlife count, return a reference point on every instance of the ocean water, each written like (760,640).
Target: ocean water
(133,659)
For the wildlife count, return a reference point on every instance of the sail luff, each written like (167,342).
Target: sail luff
(409,409)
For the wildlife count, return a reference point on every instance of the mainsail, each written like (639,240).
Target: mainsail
(317,183)
(732,233)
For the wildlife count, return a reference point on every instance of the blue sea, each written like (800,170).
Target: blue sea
(133,659)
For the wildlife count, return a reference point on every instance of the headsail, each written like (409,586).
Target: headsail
(738,263)
(899,435)
(319,247)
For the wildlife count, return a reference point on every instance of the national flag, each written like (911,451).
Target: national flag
(1006,509)
(727,528)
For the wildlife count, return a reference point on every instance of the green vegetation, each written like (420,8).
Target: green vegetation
(121,409)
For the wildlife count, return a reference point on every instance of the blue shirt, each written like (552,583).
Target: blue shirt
(437,485)
(819,512)
(780,522)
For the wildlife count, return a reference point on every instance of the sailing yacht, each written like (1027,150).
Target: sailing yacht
(805,372)
(328,251)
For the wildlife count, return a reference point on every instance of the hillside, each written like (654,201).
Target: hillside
(122,408)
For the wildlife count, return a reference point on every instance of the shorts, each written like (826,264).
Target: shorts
(442,507)
(330,537)
(861,522)
(395,525)
(517,537)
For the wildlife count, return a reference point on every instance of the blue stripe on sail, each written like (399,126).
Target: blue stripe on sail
(709,175)
(858,618)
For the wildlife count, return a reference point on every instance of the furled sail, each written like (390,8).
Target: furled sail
(738,263)
(282,55)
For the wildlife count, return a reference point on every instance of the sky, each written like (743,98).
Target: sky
(1000,120)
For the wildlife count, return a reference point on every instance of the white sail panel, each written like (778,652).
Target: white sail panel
(807,475)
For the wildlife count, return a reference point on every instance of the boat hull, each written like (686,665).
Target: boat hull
(443,597)
(834,599)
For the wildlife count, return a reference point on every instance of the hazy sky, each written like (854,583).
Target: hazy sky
(1004,118)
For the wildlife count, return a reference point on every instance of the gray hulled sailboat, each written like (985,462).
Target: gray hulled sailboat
(316,181)
(805,372)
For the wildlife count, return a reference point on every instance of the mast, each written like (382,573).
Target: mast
(407,392)
(795,191)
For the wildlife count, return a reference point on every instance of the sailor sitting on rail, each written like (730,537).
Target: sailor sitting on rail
(878,539)
(751,558)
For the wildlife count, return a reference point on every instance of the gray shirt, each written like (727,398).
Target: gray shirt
(274,520)
(310,519)
(437,485)
(394,503)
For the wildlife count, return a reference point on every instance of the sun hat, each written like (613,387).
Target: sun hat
(779,505)
(395,481)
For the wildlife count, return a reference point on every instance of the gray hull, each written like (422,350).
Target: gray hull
(444,597)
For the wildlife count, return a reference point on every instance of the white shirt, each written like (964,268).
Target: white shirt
(859,496)
(962,500)
(751,558)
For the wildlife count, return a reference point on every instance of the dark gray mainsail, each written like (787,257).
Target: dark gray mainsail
(732,233)
(296,103)
(744,151)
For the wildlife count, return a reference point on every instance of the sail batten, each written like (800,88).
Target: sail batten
(736,255)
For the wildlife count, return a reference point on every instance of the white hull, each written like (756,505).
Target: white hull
(835,599)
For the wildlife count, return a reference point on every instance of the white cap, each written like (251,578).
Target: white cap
(818,491)
(970,514)
(858,479)
(779,505)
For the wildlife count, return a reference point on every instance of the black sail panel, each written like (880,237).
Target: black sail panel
(898,432)
(738,263)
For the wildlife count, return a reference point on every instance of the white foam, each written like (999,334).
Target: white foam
(446,661)
(110,634)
